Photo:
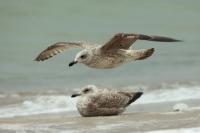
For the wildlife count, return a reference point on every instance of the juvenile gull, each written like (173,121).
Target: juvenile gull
(103,102)
(113,53)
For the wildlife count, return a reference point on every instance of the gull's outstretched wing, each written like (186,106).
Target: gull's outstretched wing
(125,40)
(60,47)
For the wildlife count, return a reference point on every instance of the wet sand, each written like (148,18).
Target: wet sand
(137,118)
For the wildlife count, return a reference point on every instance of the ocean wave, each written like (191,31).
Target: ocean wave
(44,104)
(39,105)
(170,94)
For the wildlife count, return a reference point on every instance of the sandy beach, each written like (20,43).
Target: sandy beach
(137,118)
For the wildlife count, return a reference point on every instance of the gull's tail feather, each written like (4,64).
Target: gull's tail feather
(141,55)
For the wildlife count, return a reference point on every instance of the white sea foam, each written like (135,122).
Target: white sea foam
(166,95)
(60,103)
(39,105)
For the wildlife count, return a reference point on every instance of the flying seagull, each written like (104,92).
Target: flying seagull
(103,102)
(113,53)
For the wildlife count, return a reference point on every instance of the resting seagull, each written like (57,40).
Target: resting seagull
(113,53)
(103,102)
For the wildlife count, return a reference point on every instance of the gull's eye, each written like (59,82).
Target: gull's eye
(86,90)
(83,56)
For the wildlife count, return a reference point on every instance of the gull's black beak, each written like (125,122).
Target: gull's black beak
(72,63)
(75,95)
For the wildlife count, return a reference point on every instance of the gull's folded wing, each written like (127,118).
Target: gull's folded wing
(112,99)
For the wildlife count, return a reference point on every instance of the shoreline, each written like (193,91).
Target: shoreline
(137,118)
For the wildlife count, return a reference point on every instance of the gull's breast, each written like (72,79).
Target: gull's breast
(106,62)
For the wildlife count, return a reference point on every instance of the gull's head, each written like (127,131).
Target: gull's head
(82,57)
(89,89)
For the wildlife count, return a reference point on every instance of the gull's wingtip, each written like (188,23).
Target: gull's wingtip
(158,38)
(176,40)
(139,94)
(37,59)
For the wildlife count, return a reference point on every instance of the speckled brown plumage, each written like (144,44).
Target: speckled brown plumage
(102,102)
(112,54)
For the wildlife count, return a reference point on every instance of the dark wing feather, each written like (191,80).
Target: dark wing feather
(157,38)
(125,40)
(119,41)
